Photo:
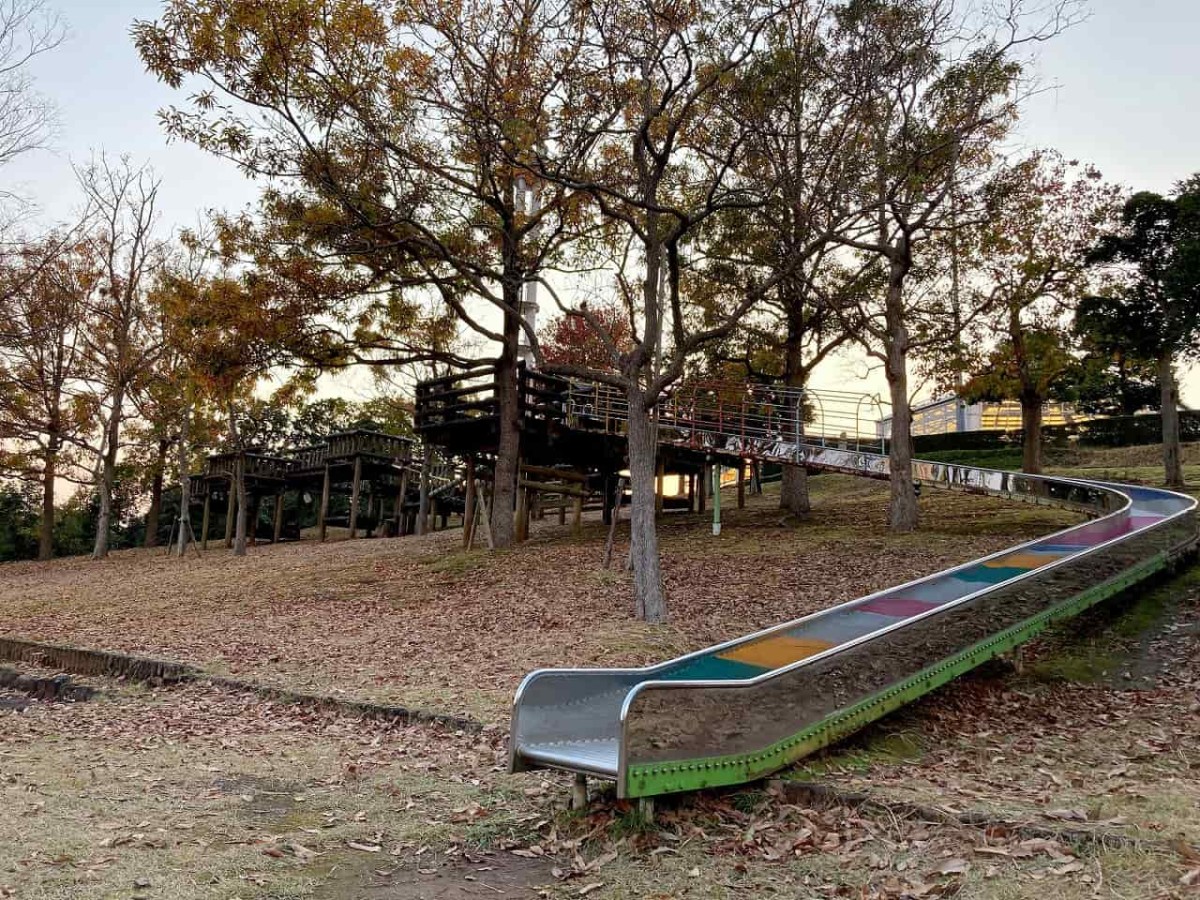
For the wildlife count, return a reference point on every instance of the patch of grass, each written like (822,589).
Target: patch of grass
(877,745)
(457,562)
(630,822)
(1093,664)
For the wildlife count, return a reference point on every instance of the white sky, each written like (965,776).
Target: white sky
(1125,97)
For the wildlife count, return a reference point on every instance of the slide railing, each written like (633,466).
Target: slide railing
(740,710)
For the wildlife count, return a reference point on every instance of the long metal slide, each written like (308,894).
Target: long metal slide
(743,709)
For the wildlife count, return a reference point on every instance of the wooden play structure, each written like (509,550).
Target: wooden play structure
(572,445)
(389,487)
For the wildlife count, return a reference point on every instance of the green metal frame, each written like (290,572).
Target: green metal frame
(651,779)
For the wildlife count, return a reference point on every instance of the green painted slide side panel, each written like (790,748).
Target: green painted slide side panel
(651,779)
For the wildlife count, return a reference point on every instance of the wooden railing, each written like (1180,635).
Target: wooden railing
(470,395)
(256,465)
(360,442)
(308,458)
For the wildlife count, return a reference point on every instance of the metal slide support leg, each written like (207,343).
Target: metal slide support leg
(579,792)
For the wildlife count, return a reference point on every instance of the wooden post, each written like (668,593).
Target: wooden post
(716,499)
(659,486)
(469,506)
(616,497)
(702,493)
(579,793)
(355,488)
(230,511)
(401,518)
(576,514)
(433,514)
(323,512)
(522,513)
(562,509)
(204,523)
(691,489)
(278,518)
(741,482)
(255,503)
(423,503)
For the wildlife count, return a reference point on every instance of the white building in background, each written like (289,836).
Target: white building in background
(950,414)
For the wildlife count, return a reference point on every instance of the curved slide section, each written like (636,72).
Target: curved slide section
(741,710)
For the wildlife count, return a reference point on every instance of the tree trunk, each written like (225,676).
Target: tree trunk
(49,474)
(108,476)
(1172,461)
(903,508)
(185,483)
(793,487)
(156,494)
(508,448)
(1031,425)
(650,602)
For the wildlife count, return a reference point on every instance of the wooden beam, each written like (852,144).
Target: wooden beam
(323,512)
(355,489)
(547,487)
(278,518)
(576,516)
(741,483)
(702,488)
(560,474)
(204,522)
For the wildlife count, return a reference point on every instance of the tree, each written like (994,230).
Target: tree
(652,84)
(121,337)
(796,120)
(570,341)
(1028,258)
(1109,380)
(46,408)
(28,28)
(397,137)
(938,87)
(1155,255)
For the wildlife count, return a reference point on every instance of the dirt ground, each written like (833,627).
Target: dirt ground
(1079,778)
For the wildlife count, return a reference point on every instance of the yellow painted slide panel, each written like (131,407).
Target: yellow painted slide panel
(773,652)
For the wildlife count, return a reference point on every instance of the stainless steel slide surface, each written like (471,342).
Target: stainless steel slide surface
(740,710)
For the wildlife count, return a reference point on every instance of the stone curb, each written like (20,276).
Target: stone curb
(145,668)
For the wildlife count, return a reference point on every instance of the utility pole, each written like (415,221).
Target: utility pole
(529,203)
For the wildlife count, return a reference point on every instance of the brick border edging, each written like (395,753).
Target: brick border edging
(81,661)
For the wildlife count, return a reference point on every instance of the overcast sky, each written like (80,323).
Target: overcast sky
(1123,92)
